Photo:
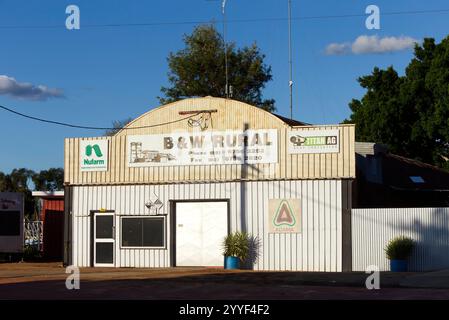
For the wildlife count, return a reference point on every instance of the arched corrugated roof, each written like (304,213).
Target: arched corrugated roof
(229,115)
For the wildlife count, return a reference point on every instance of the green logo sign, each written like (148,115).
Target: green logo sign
(95,148)
(284,215)
(94,155)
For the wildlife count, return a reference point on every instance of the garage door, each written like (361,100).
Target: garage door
(200,230)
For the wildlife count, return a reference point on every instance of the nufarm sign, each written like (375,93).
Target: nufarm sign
(313,141)
(284,216)
(94,155)
(203,148)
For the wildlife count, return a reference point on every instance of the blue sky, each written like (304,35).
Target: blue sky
(103,74)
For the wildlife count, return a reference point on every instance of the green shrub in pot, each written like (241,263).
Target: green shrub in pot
(235,245)
(398,250)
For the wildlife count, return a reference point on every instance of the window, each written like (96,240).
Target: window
(417,179)
(10,223)
(143,232)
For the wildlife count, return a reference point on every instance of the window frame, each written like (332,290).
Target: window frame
(164,230)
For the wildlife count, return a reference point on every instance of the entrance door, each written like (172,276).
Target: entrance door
(104,239)
(53,237)
(200,230)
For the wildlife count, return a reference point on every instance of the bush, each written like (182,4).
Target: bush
(30,253)
(236,245)
(399,248)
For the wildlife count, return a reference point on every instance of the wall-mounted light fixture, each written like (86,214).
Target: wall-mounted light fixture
(154,205)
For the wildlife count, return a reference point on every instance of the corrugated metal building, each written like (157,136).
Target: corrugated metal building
(165,190)
(51,207)
(373,228)
(387,180)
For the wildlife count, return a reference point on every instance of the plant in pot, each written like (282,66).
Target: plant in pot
(398,250)
(235,249)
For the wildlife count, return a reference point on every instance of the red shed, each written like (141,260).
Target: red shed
(52,216)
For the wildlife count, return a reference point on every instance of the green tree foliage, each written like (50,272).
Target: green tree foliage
(117,125)
(49,180)
(408,113)
(199,70)
(20,180)
(17,181)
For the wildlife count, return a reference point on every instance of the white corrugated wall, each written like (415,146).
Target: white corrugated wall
(373,228)
(317,248)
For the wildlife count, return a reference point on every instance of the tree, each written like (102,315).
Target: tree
(410,113)
(2,181)
(199,70)
(49,180)
(17,181)
(117,125)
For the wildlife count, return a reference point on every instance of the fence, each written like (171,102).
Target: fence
(33,233)
(373,228)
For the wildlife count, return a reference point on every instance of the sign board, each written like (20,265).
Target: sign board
(313,141)
(284,216)
(203,148)
(11,222)
(94,155)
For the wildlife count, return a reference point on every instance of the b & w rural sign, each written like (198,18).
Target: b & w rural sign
(203,148)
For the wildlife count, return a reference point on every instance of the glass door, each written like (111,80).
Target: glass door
(104,239)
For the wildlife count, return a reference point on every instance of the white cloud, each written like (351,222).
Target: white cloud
(338,48)
(27,91)
(372,44)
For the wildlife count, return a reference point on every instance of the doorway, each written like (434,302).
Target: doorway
(103,239)
(200,228)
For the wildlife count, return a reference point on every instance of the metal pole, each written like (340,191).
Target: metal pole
(225,49)
(290,83)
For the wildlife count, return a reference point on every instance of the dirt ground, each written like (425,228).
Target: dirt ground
(47,281)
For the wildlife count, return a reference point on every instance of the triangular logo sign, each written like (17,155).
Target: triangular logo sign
(284,215)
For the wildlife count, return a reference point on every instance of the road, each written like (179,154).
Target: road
(48,281)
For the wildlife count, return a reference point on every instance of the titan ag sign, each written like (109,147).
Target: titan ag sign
(284,216)
(94,155)
(313,141)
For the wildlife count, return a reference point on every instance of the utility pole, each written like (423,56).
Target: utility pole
(290,82)
(223,7)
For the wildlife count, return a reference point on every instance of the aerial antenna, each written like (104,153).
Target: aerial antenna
(290,82)
(223,7)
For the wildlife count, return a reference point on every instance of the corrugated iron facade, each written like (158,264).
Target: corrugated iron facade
(373,228)
(52,204)
(52,217)
(321,182)
(317,248)
(230,115)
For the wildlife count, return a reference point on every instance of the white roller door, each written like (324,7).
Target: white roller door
(200,230)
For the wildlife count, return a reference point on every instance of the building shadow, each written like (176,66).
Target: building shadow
(253,254)
(430,231)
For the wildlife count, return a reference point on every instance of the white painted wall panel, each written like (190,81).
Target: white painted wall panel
(373,228)
(316,248)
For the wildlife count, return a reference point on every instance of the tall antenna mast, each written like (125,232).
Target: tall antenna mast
(223,7)
(290,82)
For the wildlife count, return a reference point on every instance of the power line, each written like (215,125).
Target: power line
(168,23)
(89,127)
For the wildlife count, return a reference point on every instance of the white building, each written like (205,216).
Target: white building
(222,166)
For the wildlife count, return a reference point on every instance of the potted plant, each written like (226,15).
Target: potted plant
(235,249)
(398,250)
